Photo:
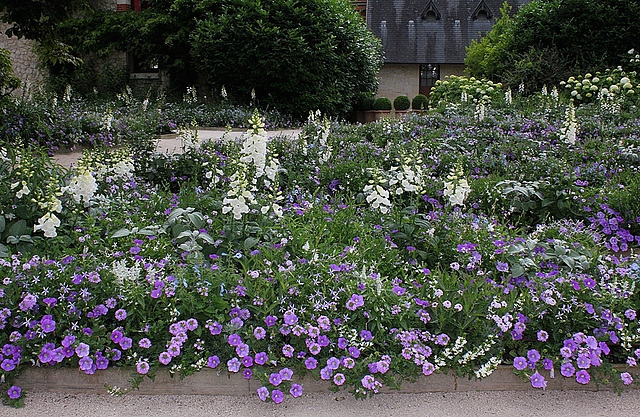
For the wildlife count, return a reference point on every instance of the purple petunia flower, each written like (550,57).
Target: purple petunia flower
(142,367)
(296,390)
(538,381)
(14,392)
(275,379)
(355,301)
(48,324)
(567,370)
(520,363)
(533,355)
(68,340)
(366,335)
(339,379)
(626,378)
(85,363)
(333,363)
(354,352)
(82,350)
(234,339)
(263,393)
(287,351)
(270,321)
(126,343)
(247,373)
(543,336)
(144,343)
(583,377)
(311,363)
(259,333)
(277,396)
(101,362)
(242,350)
(9,365)
(121,314)
(428,368)
(342,343)
(116,336)
(213,361)
(290,318)
(247,361)
(502,267)
(261,358)
(286,374)
(233,365)
(368,382)
(326,373)
(164,358)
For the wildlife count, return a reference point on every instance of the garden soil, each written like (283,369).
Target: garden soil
(454,404)
(448,404)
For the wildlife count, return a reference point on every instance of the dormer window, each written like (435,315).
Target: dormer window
(482,12)
(430,12)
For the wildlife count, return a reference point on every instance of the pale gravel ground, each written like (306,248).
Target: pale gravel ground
(453,404)
(170,144)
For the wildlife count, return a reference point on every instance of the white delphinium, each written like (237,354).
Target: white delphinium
(456,188)
(508,97)
(107,120)
(254,150)
(82,187)
(378,197)
(238,197)
(554,93)
(409,177)
(189,136)
(23,191)
(480,112)
(48,224)
(67,93)
(464,97)
(569,128)
(544,91)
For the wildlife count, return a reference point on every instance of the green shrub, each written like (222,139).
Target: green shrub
(401,103)
(8,81)
(382,103)
(365,101)
(420,102)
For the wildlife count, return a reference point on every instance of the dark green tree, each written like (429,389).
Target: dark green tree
(296,55)
(548,40)
(38,20)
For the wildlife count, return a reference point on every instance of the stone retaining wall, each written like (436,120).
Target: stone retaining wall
(25,61)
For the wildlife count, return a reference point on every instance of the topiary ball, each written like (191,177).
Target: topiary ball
(401,103)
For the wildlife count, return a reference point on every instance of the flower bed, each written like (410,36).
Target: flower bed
(363,256)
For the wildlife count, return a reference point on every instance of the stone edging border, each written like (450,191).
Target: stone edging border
(212,382)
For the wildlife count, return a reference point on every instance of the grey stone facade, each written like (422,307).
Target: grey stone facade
(24,60)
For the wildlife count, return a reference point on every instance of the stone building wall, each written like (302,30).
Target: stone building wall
(25,61)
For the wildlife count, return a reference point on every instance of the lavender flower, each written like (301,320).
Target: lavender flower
(296,390)
(519,363)
(275,379)
(311,363)
(121,314)
(82,350)
(261,358)
(233,365)
(626,378)
(538,381)
(142,367)
(213,361)
(277,396)
(263,393)
(14,392)
(583,377)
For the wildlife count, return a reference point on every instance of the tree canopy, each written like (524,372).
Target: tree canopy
(295,55)
(549,40)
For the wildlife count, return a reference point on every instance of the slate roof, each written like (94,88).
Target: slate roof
(431,31)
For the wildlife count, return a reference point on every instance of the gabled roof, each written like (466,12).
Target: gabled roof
(431,31)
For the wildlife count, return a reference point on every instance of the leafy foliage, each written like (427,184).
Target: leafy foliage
(548,40)
(296,56)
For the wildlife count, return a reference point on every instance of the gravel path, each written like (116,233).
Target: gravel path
(458,404)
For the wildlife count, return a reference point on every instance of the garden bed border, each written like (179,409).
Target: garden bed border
(214,382)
